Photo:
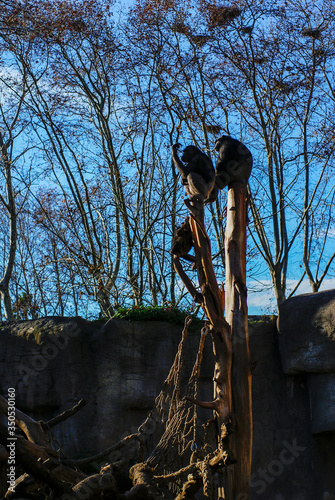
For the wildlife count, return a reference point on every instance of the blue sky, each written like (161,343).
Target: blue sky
(263,301)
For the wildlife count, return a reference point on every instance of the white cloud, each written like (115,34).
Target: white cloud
(261,298)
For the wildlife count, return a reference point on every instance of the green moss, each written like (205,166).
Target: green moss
(153,313)
(262,319)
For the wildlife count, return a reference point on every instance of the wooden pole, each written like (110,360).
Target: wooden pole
(232,378)
(237,318)
(213,304)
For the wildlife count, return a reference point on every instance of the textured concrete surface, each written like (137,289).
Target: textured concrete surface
(307,333)
(119,369)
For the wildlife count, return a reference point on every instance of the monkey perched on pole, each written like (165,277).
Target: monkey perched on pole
(197,174)
(234,164)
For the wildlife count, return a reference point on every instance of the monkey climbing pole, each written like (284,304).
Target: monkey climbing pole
(232,378)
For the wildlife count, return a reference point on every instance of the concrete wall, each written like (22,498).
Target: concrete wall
(119,369)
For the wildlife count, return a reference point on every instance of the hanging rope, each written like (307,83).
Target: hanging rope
(178,441)
(168,437)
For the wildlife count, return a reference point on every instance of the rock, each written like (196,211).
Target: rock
(119,369)
(132,361)
(307,333)
(282,463)
(307,346)
(321,388)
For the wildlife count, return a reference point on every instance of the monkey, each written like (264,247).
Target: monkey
(183,242)
(233,164)
(197,174)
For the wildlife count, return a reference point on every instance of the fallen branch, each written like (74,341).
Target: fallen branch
(35,461)
(32,429)
(100,456)
(93,486)
(144,486)
(63,416)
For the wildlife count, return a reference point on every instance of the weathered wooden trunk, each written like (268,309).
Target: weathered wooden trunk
(232,375)
(237,318)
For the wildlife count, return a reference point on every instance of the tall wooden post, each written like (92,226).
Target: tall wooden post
(232,376)
(237,318)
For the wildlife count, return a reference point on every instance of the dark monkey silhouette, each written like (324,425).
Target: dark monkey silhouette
(183,241)
(202,183)
(197,174)
(181,245)
(234,163)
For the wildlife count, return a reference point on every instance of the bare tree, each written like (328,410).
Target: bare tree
(11,126)
(272,80)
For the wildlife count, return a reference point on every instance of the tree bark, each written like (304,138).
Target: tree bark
(232,376)
(9,205)
(36,461)
(32,429)
(237,317)
(213,305)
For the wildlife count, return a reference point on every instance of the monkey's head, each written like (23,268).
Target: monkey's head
(189,153)
(221,140)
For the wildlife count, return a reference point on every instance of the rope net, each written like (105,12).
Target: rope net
(171,430)
(168,437)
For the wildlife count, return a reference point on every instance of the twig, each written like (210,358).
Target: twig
(102,454)
(63,416)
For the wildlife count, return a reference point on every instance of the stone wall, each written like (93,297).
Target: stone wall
(119,369)
(307,348)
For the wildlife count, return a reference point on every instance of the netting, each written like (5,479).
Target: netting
(171,429)
(169,437)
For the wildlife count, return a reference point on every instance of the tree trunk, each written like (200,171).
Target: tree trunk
(278,287)
(9,205)
(7,303)
(237,317)
(232,376)
(213,305)
(105,305)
